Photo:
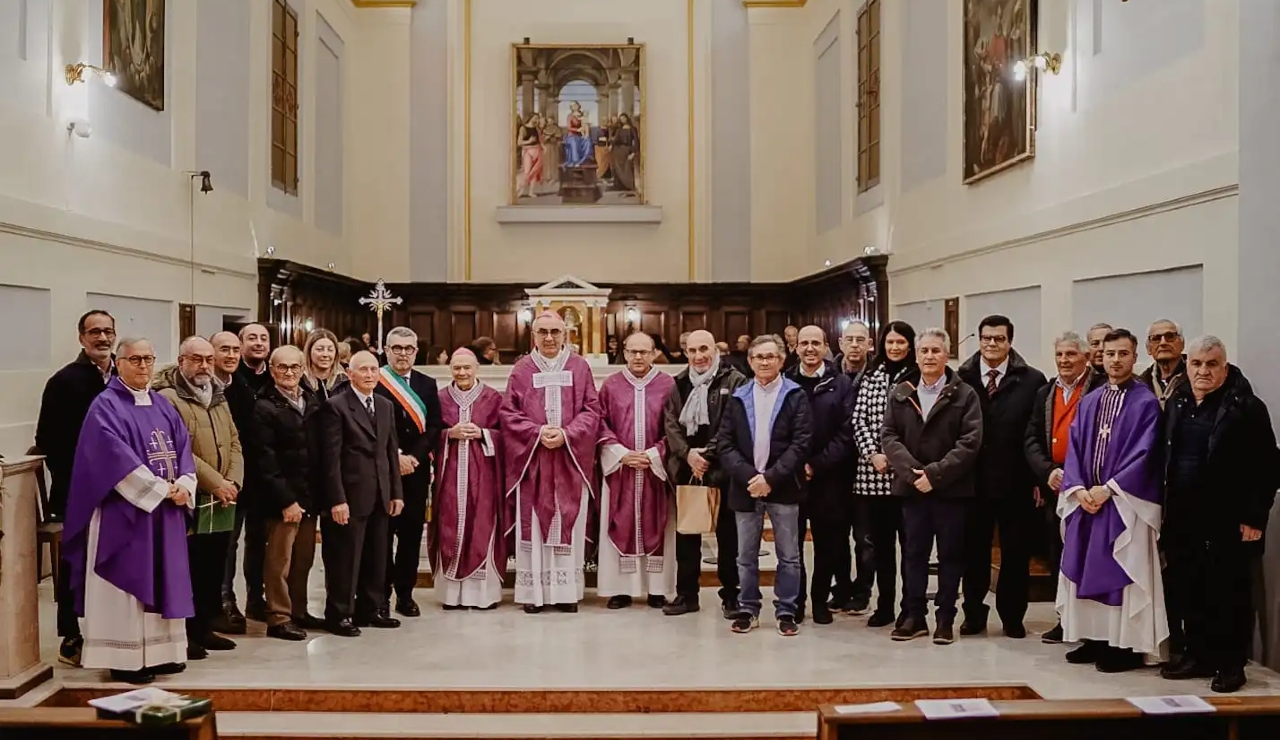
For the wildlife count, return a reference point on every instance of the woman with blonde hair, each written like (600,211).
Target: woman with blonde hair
(324,376)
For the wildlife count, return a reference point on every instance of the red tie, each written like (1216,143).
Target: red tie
(992,376)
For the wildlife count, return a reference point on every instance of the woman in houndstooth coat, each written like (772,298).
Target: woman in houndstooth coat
(877,514)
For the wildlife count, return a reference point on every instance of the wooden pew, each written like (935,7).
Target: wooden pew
(82,723)
(1242,718)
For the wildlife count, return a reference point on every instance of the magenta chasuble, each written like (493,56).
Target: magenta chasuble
(470,504)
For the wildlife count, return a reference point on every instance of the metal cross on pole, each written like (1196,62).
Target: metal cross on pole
(380,301)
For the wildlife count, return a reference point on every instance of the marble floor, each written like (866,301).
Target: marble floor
(639,648)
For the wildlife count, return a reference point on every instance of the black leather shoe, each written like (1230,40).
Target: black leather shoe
(69,652)
(567,608)
(682,605)
(909,630)
(657,602)
(136,678)
(1015,631)
(880,619)
(729,608)
(532,609)
(167,669)
(452,607)
(1186,667)
(1117,660)
(210,641)
(943,634)
(1228,681)
(618,602)
(287,631)
(309,622)
(195,651)
(974,627)
(1088,652)
(343,628)
(256,612)
(378,621)
(232,612)
(822,616)
(224,624)
(408,607)
(1053,636)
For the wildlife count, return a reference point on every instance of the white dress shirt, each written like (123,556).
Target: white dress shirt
(764,396)
(1001,370)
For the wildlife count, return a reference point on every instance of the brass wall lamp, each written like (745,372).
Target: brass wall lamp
(1044,61)
(76,73)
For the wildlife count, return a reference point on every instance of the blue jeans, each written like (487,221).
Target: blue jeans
(786,541)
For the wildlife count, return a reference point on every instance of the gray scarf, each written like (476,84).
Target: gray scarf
(695,412)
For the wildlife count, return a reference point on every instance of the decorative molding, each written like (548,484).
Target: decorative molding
(384,3)
(75,241)
(1133,214)
(773,3)
(579,214)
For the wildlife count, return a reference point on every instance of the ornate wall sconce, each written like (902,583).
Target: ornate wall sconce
(76,73)
(1044,61)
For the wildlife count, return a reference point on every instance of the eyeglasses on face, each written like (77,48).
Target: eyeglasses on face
(544,333)
(99,333)
(636,352)
(993,339)
(140,360)
(199,359)
(766,358)
(288,369)
(1168,336)
(402,349)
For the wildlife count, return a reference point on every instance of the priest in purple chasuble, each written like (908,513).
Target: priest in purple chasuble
(637,522)
(125,537)
(550,426)
(468,529)
(1110,593)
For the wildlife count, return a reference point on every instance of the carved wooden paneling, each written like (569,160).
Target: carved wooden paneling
(453,314)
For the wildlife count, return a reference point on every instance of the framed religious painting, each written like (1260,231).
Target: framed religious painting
(577,124)
(999,104)
(133,48)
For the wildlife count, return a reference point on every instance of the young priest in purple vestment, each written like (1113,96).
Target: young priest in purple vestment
(125,538)
(550,425)
(1110,593)
(470,522)
(637,529)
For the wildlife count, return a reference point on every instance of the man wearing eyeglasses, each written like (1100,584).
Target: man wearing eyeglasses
(418,426)
(1006,386)
(215,443)
(551,424)
(132,489)
(63,406)
(1168,369)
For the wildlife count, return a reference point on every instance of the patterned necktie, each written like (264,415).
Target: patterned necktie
(368,404)
(992,377)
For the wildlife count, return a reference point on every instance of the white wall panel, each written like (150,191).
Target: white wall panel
(329,129)
(1134,301)
(141,317)
(827,133)
(1020,305)
(26,330)
(222,92)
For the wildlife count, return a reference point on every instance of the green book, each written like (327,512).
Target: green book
(213,517)
(151,707)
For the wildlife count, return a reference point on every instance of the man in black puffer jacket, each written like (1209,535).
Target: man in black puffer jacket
(1007,387)
(828,509)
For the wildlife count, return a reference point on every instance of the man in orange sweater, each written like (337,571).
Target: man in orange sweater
(1047,433)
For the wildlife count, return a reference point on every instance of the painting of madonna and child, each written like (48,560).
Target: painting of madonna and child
(579,115)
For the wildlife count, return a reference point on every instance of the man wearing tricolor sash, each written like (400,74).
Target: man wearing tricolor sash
(637,525)
(418,424)
(469,522)
(550,426)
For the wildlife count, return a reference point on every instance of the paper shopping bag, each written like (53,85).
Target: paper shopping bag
(697,508)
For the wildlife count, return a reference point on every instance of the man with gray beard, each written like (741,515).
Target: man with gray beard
(215,444)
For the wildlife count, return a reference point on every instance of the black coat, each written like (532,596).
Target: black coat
(679,441)
(420,444)
(1242,462)
(788,446)
(358,465)
(1002,469)
(945,446)
(831,444)
(282,447)
(65,403)
(1038,444)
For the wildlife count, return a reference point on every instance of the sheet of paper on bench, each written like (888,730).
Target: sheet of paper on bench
(1184,704)
(132,700)
(955,708)
(879,707)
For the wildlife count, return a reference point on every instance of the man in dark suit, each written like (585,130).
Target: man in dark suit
(418,426)
(63,407)
(358,457)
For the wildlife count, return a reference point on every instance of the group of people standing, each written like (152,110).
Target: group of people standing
(160,471)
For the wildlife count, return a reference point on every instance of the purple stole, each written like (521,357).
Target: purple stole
(460,543)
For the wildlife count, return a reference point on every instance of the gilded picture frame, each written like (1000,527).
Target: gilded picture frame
(578,134)
(999,109)
(133,48)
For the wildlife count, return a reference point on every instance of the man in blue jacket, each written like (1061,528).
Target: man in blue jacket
(828,508)
(762,443)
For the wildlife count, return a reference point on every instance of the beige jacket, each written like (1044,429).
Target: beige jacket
(215,443)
